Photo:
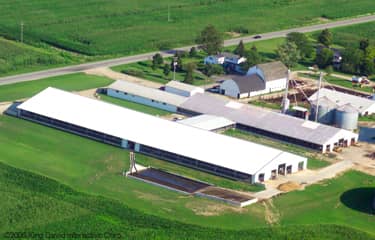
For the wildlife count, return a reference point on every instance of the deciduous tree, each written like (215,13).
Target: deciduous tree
(325,37)
(324,57)
(210,40)
(288,54)
(189,77)
(304,45)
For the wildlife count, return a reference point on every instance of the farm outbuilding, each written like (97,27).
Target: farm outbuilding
(182,89)
(271,124)
(274,75)
(145,95)
(178,143)
(237,86)
(363,105)
(209,122)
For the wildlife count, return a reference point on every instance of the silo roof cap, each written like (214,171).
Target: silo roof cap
(325,101)
(349,108)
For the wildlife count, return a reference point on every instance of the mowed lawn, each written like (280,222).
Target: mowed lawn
(61,209)
(144,70)
(70,82)
(95,168)
(134,106)
(127,27)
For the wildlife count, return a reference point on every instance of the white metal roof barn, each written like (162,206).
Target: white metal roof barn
(147,92)
(363,105)
(155,133)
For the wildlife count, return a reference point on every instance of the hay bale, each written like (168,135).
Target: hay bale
(289,186)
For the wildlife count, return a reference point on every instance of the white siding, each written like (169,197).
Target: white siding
(276,85)
(346,135)
(260,92)
(230,88)
(183,92)
(244,95)
(213,60)
(288,160)
(141,100)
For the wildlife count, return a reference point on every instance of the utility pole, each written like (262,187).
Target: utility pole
(21,34)
(169,13)
(174,68)
(317,96)
(285,103)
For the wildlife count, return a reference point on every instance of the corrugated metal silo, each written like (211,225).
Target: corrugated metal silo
(326,111)
(346,117)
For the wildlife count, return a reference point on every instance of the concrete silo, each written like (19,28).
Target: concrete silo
(326,110)
(346,117)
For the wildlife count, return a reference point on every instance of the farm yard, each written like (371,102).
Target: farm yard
(52,181)
(97,170)
(144,70)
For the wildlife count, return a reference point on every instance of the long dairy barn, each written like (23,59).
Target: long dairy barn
(172,141)
(286,128)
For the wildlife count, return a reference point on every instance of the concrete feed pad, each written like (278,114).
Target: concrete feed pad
(170,180)
(226,194)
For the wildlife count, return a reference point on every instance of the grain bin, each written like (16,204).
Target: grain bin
(346,117)
(326,110)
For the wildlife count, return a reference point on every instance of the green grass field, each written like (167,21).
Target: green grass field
(135,106)
(70,82)
(18,58)
(126,27)
(144,70)
(95,168)
(315,161)
(350,36)
(39,205)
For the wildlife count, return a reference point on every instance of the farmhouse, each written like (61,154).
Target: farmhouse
(224,57)
(363,105)
(275,125)
(182,89)
(145,95)
(168,140)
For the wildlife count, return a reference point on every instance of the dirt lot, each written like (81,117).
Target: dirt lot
(297,96)
(362,156)
(226,194)
(170,180)
(3,107)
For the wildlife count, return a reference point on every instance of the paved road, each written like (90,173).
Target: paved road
(141,57)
